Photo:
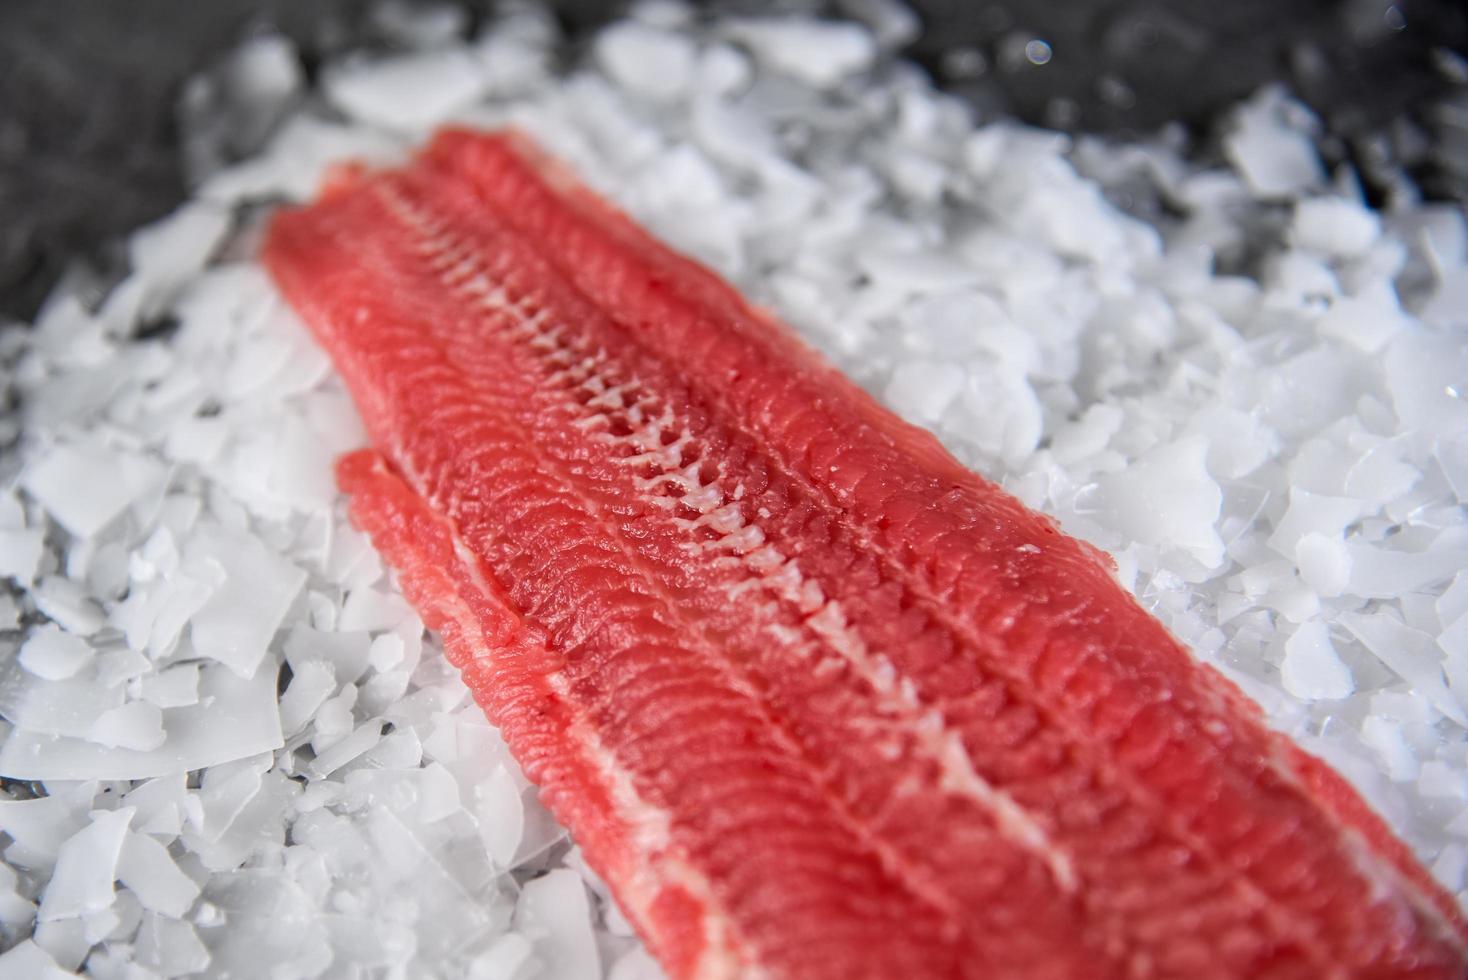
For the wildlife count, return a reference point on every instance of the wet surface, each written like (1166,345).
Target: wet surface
(89,90)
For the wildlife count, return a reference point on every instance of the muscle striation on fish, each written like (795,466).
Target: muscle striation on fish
(815,700)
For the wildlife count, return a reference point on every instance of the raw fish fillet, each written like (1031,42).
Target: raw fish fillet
(815,700)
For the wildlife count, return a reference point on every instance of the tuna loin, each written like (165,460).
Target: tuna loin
(815,700)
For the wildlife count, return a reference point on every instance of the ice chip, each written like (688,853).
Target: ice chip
(1275,159)
(1367,321)
(647,61)
(922,390)
(554,912)
(135,725)
(819,53)
(86,868)
(174,687)
(172,948)
(1311,669)
(52,654)
(236,624)
(407,92)
(370,609)
(1324,562)
(31,962)
(1167,499)
(148,870)
(20,553)
(1334,226)
(1426,376)
(312,682)
(85,487)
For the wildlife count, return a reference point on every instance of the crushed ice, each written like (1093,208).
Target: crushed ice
(232,749)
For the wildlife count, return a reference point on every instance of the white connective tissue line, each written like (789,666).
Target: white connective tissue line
(1279,463)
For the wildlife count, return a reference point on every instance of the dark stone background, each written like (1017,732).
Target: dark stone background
(88,88)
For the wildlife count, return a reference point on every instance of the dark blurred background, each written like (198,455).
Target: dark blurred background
(89,88)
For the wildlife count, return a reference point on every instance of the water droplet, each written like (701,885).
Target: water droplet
(1394,19)
(1038,52)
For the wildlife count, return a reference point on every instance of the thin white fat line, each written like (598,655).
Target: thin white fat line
(718,958)
(826,617)
(650,827)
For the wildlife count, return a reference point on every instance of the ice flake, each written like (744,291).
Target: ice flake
(296,160)
(86,487)
(256,825)
(448,915)
(409,92)
(511,957)
(1368,321)
(500,811)
(54,655)
(1311,669)
(312,682)
(916,271)
(246,939)
(160,804)
(1334,226)
(69,940)
(146,868)
(236,624)
(9,612)
(922,391)
(20,553)
(1167,499)
(172,948)
(650,62)
(86,867)
(1410,654)
(135,725)
(553,911)
(369,609)
(819,53)
(1310,513)
(235,718)
(38,827)
(1274,157)
(30,961)
(117,666)
(61,707)
(346,749)
(175,687)
(1385,573)
(68,604)
(1324,562)
(1001,416)
(1425,376)
(170,251)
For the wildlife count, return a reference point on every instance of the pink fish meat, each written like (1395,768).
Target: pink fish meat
(815,700)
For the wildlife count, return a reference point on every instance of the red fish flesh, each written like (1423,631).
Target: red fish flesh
(815,700)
